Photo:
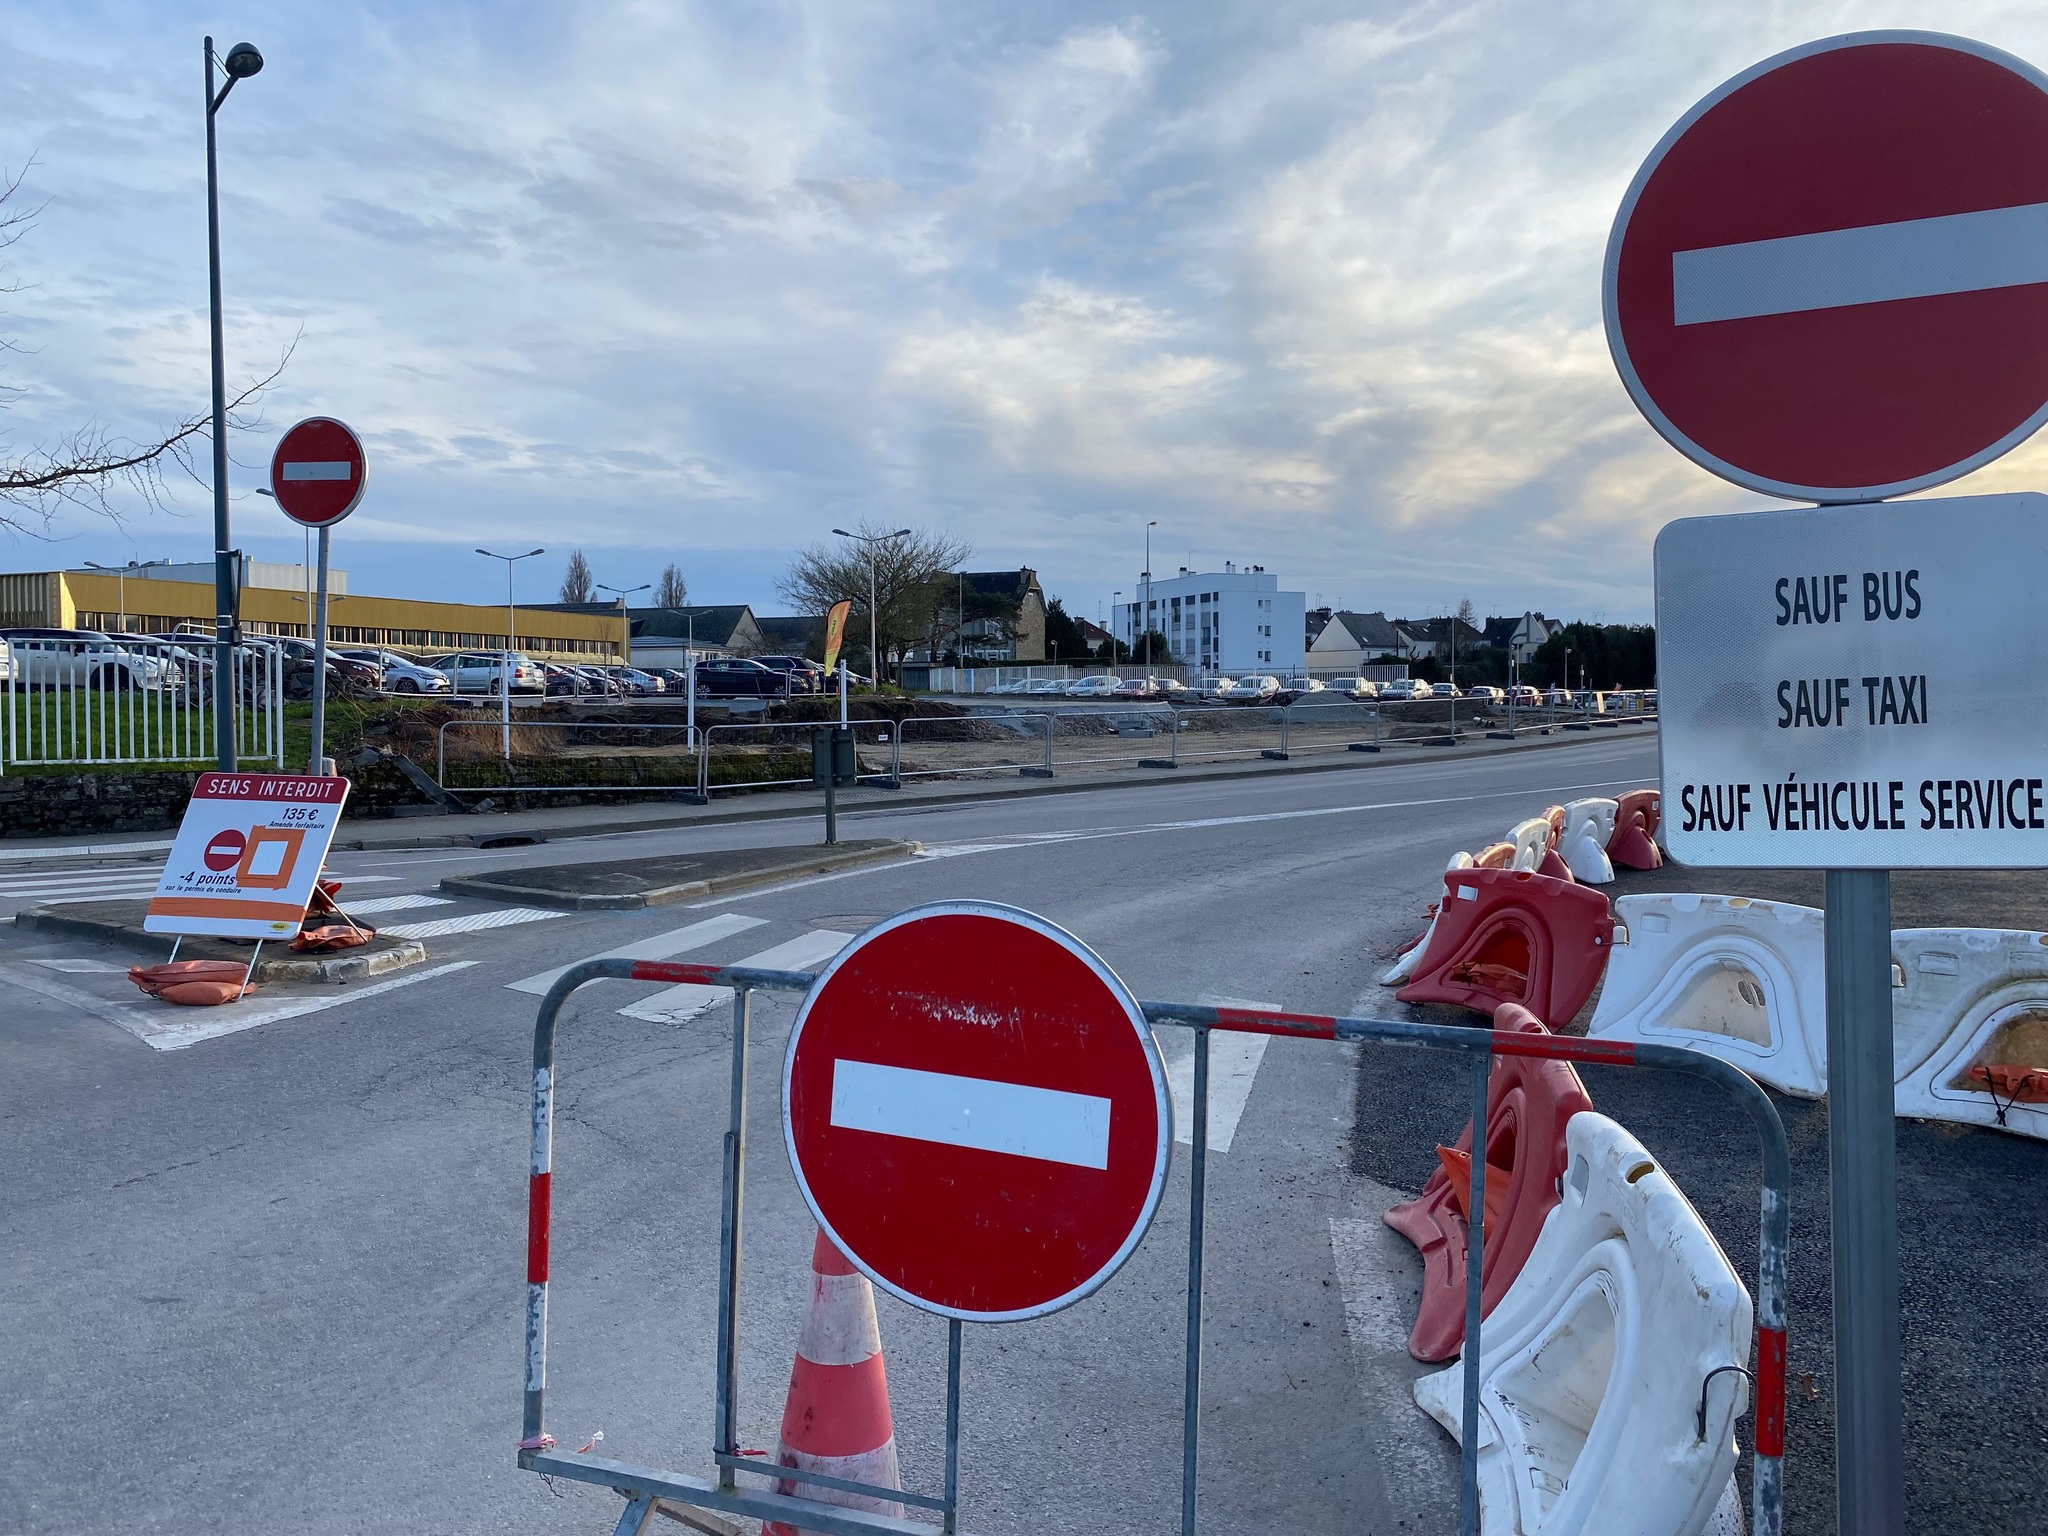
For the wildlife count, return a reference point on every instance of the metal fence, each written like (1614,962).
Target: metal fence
(648,1489)
(94,702)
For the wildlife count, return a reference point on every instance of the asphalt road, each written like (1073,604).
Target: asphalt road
(273,1281)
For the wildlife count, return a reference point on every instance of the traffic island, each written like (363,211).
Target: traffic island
(120,923)
(653,882)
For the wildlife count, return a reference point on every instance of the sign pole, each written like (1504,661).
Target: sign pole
(1870,1494)
(320,762)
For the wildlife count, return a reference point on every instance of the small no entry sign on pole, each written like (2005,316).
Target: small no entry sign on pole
(1829,281)
(976,1112)
(318,472)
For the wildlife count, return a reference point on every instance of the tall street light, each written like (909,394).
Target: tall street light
(1148,595)
(121,584)
(625,624)
(242,61)
(1116,599)
(870,540)
(511,643)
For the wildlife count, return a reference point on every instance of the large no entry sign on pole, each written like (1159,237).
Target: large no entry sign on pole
(976,1112)
(318,472)
(1829,281)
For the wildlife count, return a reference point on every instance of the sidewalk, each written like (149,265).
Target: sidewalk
(504,829)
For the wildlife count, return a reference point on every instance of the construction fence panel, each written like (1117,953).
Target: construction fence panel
(107,702)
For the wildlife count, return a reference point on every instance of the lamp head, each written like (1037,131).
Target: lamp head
(242,61)
(900,533)
(842,533)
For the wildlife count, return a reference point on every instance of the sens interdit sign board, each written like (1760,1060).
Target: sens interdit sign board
(1858,686)
(247,855)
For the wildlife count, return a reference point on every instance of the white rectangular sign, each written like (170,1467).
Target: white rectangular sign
(1857,687)
(247,854)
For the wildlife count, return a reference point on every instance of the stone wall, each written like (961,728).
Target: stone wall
(56,804)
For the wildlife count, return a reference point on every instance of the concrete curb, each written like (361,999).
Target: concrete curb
(373,959)
(475,836)
(818,861)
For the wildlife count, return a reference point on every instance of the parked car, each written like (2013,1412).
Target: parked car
(1443,691)
(484,671)
(1137,688)
(1101,685)
(1217,689)
(401,674)
(805,675)
(739,677)
(1038,687)
(1523,694)
(1357,688)
(1170,688)
(597,682)
(1014,685)
(633,682)
(676,680)
(1560,697)
(1486,693)
(1403,689)
(87,658)
(562,682)
(364,676)
(1255,688)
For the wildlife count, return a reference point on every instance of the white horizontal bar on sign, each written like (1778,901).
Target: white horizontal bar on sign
(319,469)
(975,1112)
(1874,264)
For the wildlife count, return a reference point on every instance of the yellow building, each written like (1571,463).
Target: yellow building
(163,600)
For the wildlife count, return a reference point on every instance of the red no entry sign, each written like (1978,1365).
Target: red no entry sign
(1830,280)
(318,472)
(976,1112)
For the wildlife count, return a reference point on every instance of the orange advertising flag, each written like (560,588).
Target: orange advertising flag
(835,632)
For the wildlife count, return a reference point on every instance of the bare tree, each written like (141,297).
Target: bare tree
(577,582)
(910,582)
(84,467)
(671,591)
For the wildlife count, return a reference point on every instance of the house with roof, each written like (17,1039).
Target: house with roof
(988,616)
(662,636)
(1442,639)
(1521,638)
(1346,641)
(797,634)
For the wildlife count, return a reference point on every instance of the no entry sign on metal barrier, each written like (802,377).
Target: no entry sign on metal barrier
(977,1112)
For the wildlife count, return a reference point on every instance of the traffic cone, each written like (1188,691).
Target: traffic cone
(837,1418)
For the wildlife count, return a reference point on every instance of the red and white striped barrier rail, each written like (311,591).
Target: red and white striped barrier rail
(646,1487)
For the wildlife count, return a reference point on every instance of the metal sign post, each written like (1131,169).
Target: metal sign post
(1824,284)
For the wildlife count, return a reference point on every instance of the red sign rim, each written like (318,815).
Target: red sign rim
(362,480)
(1163,1102)
(1610,271)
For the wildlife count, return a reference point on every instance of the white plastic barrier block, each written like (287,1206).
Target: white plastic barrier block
(1588,828)
(1592,1363)
(1532,841)
(1740,979)
(1970,1026)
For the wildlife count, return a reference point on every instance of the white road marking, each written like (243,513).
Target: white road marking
(807,951)
(87,886)
(974,1112)
(168,1027)
(83,967)
(470,922)
(394,903)
(1233,1066)
(1873,264)
(663,946)
(85,850)
(1380,1278)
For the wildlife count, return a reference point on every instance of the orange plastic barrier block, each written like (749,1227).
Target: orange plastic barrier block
(1528,1103)
(1514,936)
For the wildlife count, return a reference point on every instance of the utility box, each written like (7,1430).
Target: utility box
(832,754)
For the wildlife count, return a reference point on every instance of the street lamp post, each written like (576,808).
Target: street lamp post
(121,584)
(870,540)
(242,61)
(511,642)
(626,624)
(1116,601)
(1148,596)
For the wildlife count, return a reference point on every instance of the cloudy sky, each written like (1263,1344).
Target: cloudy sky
(1314,285)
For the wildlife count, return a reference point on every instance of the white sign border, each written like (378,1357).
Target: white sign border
(1163,1100)
(1610,270)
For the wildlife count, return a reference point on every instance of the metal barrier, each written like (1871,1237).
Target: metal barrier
(108,701)
(976,744)
(644,1487)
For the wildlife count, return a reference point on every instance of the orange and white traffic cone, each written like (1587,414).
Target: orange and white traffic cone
(837,1418)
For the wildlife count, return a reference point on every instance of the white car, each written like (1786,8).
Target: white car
(1102,685)
(1360,688)
(483,672)
(1443,691)
(86,658)
(1039,687)
(1402,688)
(402,675)
(1486,693)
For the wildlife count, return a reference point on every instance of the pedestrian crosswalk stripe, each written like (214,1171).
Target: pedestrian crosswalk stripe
(802,953)
(82,967)
(394,903)
(1233,1067)
(663,946)
(469,922)
(74,885)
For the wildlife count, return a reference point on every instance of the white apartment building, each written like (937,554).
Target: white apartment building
(1236,620)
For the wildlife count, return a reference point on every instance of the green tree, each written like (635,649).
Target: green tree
(670,590)
(1063,636)
(578,585)
(912,580)
(1598,656)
